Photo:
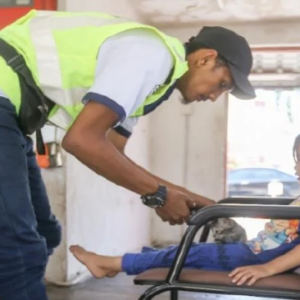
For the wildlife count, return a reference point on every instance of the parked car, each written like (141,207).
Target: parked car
(262,182)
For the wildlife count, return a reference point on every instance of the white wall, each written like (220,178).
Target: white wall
(272,33)
(187,147)
(101,216)
(267,33)
(122,8)
(94,212)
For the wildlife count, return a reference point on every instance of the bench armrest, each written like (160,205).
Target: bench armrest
(247,200)
(204,215)
(257,200)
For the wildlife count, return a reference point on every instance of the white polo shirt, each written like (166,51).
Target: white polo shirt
(129,66)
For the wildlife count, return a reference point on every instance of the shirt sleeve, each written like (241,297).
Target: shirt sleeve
(126,128)
(128,68)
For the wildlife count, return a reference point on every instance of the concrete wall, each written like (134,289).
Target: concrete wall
(256,33)
(94,212)
(187,147)
(101,216)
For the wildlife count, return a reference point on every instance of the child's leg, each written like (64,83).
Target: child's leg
(151,249)
(201,256)
(204,256)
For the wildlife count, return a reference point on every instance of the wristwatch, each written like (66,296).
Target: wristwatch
(157,199)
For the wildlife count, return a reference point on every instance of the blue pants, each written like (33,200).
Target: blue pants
(216,257)
(28,230)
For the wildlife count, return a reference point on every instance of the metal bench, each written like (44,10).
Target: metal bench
(175,279)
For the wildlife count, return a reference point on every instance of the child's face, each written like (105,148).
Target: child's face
(297,165)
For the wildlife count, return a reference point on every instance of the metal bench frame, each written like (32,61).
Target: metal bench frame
(263,208)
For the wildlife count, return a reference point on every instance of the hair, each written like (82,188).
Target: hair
(294,223)
(296,145)
(192,45)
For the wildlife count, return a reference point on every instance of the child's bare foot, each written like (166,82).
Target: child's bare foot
(99,266)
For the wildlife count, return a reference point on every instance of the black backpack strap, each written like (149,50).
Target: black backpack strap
(17,62)
(35,106)
(40,145)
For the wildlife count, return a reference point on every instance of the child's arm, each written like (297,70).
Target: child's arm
(278,265)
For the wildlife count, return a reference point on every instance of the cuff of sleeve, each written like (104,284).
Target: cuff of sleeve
(113,105)
(122,131)
(128,263)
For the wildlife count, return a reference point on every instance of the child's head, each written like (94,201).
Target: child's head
(296,154)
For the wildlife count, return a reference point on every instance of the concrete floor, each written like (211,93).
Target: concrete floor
(121,287)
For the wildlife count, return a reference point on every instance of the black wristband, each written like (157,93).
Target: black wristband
(157,199)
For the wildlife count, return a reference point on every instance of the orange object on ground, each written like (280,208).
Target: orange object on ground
(43,160)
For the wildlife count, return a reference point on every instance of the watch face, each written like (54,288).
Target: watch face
(156,200)
(153,202)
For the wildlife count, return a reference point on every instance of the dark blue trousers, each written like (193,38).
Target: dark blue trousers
(28,230)
(205,256)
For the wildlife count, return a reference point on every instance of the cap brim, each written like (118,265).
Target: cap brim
(242,86)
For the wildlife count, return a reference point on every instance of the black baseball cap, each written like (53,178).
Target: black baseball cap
(235,50)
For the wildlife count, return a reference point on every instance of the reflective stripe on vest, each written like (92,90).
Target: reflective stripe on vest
(48,65)
(49,70)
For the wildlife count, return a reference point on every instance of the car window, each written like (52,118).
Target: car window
(264,174)
(239,175)
(259,174)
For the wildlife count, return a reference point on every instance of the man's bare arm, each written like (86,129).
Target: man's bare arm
(87,141)
(120,142)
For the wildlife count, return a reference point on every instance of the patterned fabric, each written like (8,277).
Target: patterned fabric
(276,233)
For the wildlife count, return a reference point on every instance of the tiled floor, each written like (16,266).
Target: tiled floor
(122,288)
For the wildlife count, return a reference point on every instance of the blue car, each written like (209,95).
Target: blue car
(266,182)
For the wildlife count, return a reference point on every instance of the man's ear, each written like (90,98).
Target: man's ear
(206,57)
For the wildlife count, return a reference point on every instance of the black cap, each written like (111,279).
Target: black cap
(235,50)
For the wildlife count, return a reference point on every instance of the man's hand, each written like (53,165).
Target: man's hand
(200,201)
(250,274)
(177,208)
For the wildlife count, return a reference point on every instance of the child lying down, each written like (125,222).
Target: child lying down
(276,249)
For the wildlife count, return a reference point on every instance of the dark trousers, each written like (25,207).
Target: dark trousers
(28,230)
